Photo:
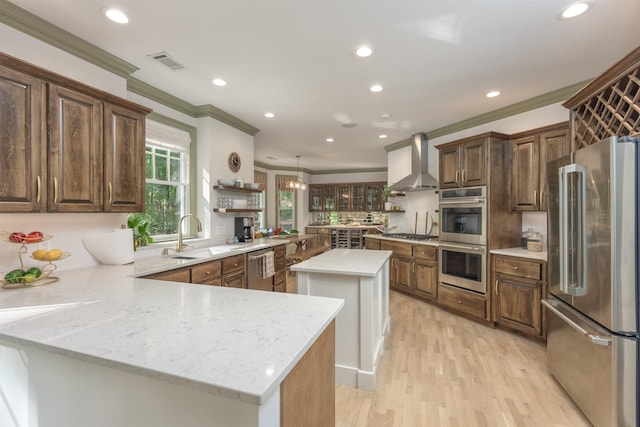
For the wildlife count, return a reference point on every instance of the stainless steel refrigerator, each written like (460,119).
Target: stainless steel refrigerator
(592,307)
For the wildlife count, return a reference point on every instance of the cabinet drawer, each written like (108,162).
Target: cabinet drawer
(177,275)
(202,273)
(235,280)
(519,267)
(279,278)
(216,281)
(232,263)
(462,301)
(425,252)
(280,264)
(280,251)
(373,244)
(397,248)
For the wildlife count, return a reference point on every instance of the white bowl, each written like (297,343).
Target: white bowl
(226,182)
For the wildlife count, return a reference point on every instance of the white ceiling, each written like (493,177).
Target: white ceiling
(435,58)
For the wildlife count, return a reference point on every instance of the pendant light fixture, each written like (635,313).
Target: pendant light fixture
(299,182)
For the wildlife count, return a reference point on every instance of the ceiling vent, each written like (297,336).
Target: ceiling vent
(166,60)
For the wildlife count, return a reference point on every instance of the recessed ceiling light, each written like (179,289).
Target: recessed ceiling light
(383,136)
(349,125)
(329,140)
(574,9)
(386,116)
(219,82)
(376,88)
(115,15)
(269,115)
(492,94)
(364,51)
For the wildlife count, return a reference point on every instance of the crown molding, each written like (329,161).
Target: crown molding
(224,117)
(336,171)
(539,101)
(312,172)
(49,33)
(150,92)
(398,145)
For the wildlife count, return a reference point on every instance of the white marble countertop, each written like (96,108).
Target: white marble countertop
(237,343)
(409,241)
(521,253)
(155,263)
(353,262)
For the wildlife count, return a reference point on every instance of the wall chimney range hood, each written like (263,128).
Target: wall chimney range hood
(419,177)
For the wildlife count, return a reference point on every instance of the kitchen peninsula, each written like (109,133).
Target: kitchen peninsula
(103,348)
(361,278)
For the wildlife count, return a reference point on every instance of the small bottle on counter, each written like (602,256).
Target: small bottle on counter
(534,242)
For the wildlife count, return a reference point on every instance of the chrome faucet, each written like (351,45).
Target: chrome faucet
(180,246)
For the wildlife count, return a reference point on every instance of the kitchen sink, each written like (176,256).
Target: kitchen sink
(184,257)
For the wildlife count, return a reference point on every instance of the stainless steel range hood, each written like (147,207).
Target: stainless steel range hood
(419,177)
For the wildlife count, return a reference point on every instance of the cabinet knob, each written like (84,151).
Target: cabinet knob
(459,302)
(515,268)
(207,273)
(235,265)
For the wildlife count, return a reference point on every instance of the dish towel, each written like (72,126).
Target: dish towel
(268,268)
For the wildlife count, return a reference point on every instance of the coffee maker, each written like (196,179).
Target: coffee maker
(244,229)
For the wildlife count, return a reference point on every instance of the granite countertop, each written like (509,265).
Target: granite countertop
(521,253)
(237,343)
(353,262)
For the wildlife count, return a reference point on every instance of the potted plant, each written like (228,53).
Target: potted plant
(385,197)
(140,226)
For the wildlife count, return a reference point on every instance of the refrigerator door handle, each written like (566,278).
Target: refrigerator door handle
(594,335)
(578,286)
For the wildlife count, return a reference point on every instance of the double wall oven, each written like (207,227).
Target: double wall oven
(463,238)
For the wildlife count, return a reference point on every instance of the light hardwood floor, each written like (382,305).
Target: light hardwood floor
(440,369)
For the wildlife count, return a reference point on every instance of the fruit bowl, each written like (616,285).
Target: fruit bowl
(31,278)
(27,238)
(52,255)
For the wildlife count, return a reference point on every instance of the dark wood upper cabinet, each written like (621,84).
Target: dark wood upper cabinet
(353,197)
(530,152)
(124,167)
(463,164)
(75,151)
(67,147)
(22,142)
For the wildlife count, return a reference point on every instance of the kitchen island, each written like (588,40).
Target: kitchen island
(102,348)
(361,278)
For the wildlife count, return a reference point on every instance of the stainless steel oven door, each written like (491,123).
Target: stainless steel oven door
(464,222)
(463,266)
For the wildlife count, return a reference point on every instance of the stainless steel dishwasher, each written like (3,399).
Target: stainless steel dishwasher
(259,275)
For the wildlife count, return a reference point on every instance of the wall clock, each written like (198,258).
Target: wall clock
(234,162)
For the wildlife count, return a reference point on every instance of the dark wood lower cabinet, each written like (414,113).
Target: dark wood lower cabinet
(518,286)
(228,272)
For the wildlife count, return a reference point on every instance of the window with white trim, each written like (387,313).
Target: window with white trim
(167,179)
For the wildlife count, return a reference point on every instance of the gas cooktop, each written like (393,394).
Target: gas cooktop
(411,236)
